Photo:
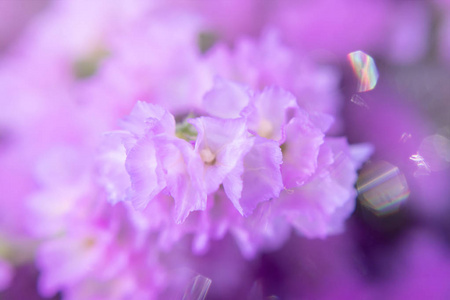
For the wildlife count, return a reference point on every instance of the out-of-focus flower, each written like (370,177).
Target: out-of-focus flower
(6,273)
(15,17)
(268,62)
(335,27)
(109,247)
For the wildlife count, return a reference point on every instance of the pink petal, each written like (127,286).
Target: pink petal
(148,117)
(227,141)
(270,113)
(183,169)
(262,176)
(226,99)
(146,174)
(301,149)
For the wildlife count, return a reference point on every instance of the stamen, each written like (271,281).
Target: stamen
(207,156)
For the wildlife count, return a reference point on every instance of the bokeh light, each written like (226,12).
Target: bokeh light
(365,69)
(382,188)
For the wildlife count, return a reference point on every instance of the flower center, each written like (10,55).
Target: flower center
(207,156)
(265,129)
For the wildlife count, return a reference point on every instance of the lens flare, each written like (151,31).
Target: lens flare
(405,137)
(365,70)
(422,166)
(198,288)
(435,149)
(382,188)
(358,100)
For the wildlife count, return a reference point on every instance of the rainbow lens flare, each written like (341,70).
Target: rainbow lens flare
(365,70)
(382,188)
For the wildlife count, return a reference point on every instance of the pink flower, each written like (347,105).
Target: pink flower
(267,62)
(157,160)
(260,151)
(319,205)
(222,146)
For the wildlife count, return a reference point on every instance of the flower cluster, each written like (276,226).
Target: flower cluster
(256,153)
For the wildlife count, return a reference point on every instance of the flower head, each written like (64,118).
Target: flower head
(259,151)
